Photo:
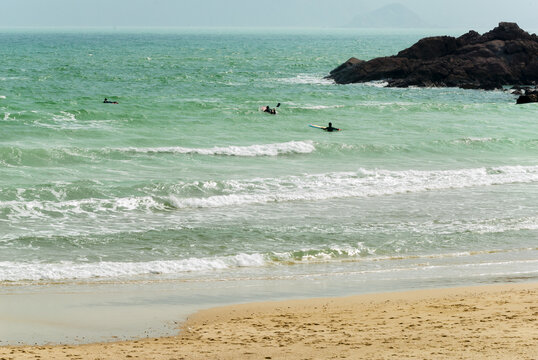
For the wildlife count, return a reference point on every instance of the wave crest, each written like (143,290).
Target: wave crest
(68,270)
(291,147)
(229,193)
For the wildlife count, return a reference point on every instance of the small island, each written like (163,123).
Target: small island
(506,55)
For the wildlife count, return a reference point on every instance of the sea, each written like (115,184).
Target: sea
(184,195)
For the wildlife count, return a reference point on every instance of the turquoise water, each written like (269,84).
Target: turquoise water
(185,179)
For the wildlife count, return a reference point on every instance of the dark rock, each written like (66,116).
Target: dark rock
(352,61)
(430,48)
(531,96)
(470,38)
(506,31)
(504,55)
(517,90)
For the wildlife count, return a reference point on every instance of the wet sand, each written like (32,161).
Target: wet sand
(490,322)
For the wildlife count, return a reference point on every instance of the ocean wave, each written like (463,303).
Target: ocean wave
(452,227)
(469,140)
(486,143)
(436,228)
(316,107)
(291,147)
(90,207)
(69,270)
(11,271)
(63,120)
(21,156)
(490,226)
(334,252)
(30,156)
(229,193)
(307,79)
(363,183)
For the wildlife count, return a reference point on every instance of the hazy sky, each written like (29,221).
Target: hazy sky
(467,14)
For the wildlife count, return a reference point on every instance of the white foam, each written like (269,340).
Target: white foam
(8,78)
(66,120)
(362,183)
(377,83)
(470,140)
(307,79)
(320,107)
(68,270)
(325,254)
(36,209)
(64,116)
(2,96)
(437,227)
(291,147)
(308,187)
(497,225)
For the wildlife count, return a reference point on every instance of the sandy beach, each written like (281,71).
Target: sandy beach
(489,322)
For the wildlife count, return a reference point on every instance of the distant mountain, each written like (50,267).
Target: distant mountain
(389,16)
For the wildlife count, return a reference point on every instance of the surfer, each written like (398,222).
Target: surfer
(269,110)
(109,102)
(330,128)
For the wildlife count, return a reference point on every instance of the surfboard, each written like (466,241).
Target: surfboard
(321,127)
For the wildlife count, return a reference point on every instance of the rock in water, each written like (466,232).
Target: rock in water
(530,96)
(506,55)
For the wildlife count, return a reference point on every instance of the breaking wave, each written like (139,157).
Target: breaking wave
(70,270)
(291,147)
(224,193)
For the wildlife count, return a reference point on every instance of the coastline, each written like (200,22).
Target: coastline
(119,223)
(479,322)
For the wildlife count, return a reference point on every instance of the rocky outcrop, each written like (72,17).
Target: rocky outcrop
(506,55)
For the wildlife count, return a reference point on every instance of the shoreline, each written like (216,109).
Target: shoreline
(478,322)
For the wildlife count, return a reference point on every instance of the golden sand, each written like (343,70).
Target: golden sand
(492,322)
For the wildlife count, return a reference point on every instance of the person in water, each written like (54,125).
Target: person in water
(330,128)
(269,110)
(109,102)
